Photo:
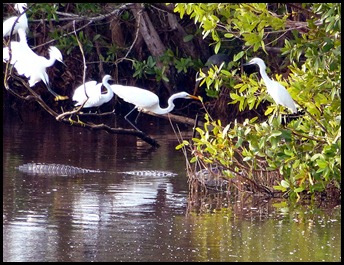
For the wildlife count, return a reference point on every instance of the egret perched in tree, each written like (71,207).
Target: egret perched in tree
(278,92)
(21,22)
(146,100)
(29,64)
(93,90)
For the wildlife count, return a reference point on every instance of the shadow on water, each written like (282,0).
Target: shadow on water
(111,216)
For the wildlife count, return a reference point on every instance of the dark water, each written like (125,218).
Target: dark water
(112,216)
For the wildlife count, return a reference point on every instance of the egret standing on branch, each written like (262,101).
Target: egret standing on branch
(94,97)
(31,65)
(146,100)
(20,22)
(278,92)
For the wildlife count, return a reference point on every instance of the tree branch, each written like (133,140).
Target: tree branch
(175,118)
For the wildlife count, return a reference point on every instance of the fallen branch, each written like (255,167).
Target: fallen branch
(111,130)
(173,117)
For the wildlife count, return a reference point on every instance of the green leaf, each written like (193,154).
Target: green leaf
(188,38)
(193,159)
(238,56)
(217,47)
(283,189)
(322,163)
(275,133)
(298,190)
(96,37)
(229,35)
(268,111)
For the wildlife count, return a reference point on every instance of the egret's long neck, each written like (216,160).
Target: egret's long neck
(22,35)
(169,108)
(21,9)
(107,86)
(22,15)
(51,60)
(262,70)
(109,92)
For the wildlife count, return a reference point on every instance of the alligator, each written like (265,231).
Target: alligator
(67,170)
(212,178)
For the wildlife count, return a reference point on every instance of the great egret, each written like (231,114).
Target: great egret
(29,64)
(146,100)
(21,22)
(278,92)
(93,89)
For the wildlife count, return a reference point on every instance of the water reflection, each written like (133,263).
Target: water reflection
(111,216)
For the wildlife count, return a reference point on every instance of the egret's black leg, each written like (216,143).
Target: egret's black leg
(57,97)
(126,117)
(51,91)
(137,116)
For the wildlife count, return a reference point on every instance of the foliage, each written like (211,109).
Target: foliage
(247,21)
(146,68)
(307,150)
(40,11)
(216,76)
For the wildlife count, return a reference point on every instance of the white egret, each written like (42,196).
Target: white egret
(93,89)
(278,92)
(146,100)
(79,96)
(29,64)
(21,22)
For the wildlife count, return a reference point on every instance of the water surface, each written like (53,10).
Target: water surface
(112,216)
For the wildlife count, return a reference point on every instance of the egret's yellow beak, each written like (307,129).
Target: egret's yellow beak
(193,97)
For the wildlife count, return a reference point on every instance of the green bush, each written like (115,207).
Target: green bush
(306,151)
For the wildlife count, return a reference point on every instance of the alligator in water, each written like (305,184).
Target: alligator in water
(67,170)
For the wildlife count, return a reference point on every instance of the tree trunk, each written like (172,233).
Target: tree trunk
(179,34)
(148,32)
(151,37)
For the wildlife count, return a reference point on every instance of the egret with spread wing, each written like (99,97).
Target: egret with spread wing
(20,22)
(31,65)
(95,97)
